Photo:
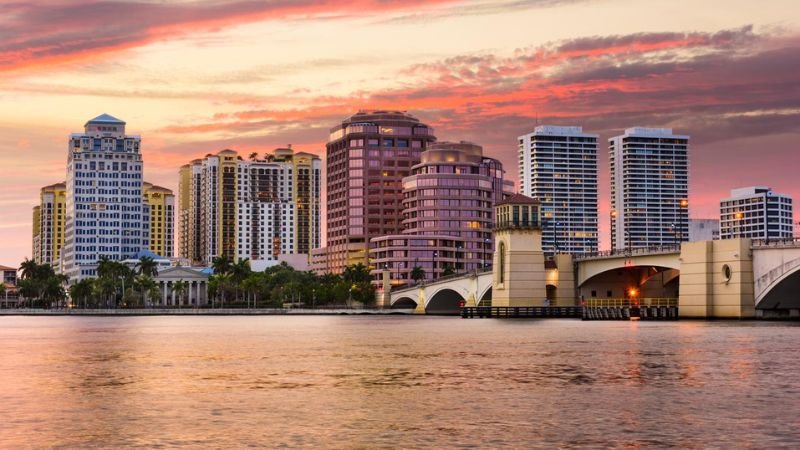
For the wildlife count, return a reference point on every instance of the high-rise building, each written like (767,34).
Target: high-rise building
(558,167)
(48,224)
(448,214)
(756,212)
(105,214)
(257,208)
(368,155)
(649,188)
(160,206)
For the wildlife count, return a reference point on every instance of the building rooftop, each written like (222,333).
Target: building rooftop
(518,199)
(106,118)
(5,268)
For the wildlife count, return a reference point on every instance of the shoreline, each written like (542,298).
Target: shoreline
(204,312)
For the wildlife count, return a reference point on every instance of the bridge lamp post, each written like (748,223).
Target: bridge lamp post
(485,250)
(556,224)
(674,234)
(433,266)
(459,253)
(628,238)
(684,204)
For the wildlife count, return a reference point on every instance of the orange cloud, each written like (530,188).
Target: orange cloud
(47,33)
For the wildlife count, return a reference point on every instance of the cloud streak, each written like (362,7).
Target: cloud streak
(43,33)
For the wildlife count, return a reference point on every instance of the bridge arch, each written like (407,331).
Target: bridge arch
(782,293)
(590,268)
(485,297)
(404,303)
(445,301)
(630,282)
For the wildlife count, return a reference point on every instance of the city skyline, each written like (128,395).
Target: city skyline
(730,83)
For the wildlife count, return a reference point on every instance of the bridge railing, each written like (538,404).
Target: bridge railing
(642,251)
(453,276)
(793,242)
(629,302)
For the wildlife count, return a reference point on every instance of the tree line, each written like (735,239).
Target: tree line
(233,284)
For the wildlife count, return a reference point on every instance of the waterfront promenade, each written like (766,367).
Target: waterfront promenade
(202,312)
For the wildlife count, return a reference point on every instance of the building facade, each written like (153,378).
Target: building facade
(447,217)
(649,188)
(257,208)
(105,215)
(159,204)
(756,212)
(368,155)
(558,167)
(703,230)
(48,224)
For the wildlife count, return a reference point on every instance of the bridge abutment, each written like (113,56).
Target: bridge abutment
(716,279)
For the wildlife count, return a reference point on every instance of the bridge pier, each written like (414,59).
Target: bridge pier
(717,279)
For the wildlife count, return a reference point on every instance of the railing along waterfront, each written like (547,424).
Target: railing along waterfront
(630,303)
(197,311)
(521,312)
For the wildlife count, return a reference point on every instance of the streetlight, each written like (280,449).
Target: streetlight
(674,234)
(684,204)
(556,224)
(485,249)
(433,267)
(122,277)
(628,236)
(459,253)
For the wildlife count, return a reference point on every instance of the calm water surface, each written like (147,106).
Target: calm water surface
(386,382)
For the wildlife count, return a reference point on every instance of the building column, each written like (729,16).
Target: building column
(164,292)
(172,297)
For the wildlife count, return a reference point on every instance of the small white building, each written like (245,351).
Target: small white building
(196,292)
(756,212)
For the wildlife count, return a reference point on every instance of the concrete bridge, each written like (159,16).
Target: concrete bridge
(736,278)
(445,295)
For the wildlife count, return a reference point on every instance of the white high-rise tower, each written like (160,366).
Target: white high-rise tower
(105,214)
(649,188)
(558,167)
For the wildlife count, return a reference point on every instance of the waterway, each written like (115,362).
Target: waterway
(396,382)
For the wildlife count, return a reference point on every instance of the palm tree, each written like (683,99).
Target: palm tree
(417,274)
(82,290)
(104,287)
(147,266)
(221,264)
(3,291)
(28,269)
(253,156)
(239,271)
(179,288)
(146,286)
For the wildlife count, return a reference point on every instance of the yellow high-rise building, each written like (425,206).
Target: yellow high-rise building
(48,224)
(161,207)
(257,208)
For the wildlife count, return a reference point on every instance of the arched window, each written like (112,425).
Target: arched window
(502,257)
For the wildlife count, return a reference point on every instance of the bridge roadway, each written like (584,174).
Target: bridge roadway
(736,278)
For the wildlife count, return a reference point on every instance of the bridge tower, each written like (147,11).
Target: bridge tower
(519,270)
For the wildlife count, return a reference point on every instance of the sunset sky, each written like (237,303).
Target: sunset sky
(196,77)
